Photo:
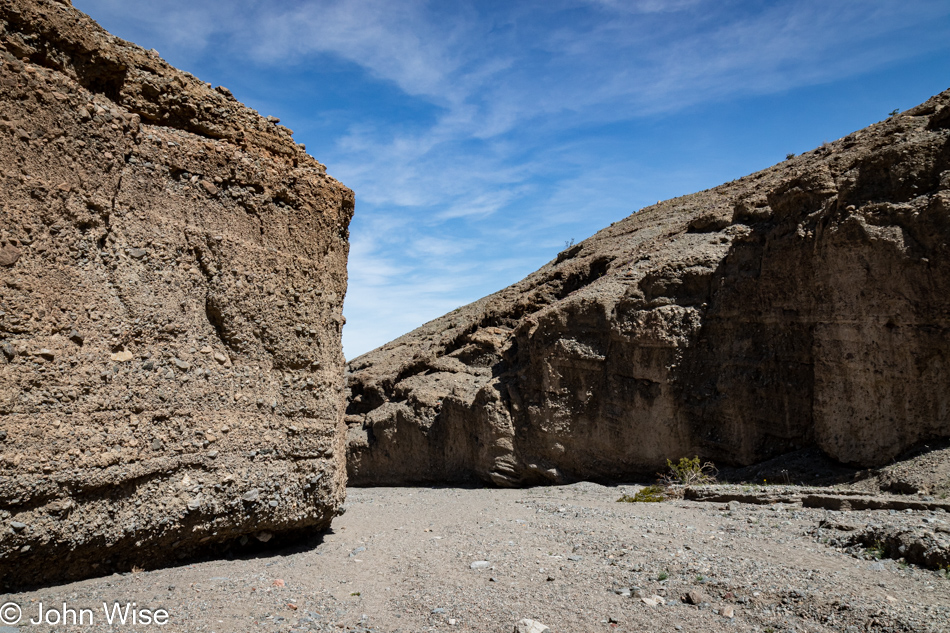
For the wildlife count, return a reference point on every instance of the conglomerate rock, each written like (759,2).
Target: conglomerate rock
(172,271)
(804,305)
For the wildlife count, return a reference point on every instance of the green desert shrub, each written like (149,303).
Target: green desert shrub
(690,472)
(650,494)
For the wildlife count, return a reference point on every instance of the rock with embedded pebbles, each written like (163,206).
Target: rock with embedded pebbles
(119,260)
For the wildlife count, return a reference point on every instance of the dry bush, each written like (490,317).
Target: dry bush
(689,472)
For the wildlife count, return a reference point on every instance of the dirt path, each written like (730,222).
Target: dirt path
(400,559)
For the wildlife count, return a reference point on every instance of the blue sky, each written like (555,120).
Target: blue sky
(480,136)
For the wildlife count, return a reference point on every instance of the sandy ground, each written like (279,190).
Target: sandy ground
(572,557)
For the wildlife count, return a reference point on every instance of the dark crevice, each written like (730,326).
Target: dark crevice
(185,125)
(596,269)
(290,364)
(687,287)
(45,47)
(216,319)
(213,312)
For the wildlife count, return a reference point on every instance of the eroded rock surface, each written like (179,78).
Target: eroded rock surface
(807,305)
(172,271)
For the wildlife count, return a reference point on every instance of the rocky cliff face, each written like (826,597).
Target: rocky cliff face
(804,305)
(172,271)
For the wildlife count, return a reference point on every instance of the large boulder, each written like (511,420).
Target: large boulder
(172,272)
(804,305)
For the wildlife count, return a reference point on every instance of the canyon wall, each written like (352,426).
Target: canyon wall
(804,305)
(172,272)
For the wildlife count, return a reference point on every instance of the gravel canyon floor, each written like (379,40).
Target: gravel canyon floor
(572,557)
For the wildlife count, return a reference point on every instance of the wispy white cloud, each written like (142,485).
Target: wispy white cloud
(491,80)
(592,72)
(396,41)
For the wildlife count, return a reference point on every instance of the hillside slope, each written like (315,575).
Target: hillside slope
(805,305)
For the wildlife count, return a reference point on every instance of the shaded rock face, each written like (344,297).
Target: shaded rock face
(804,305)
(172,271)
